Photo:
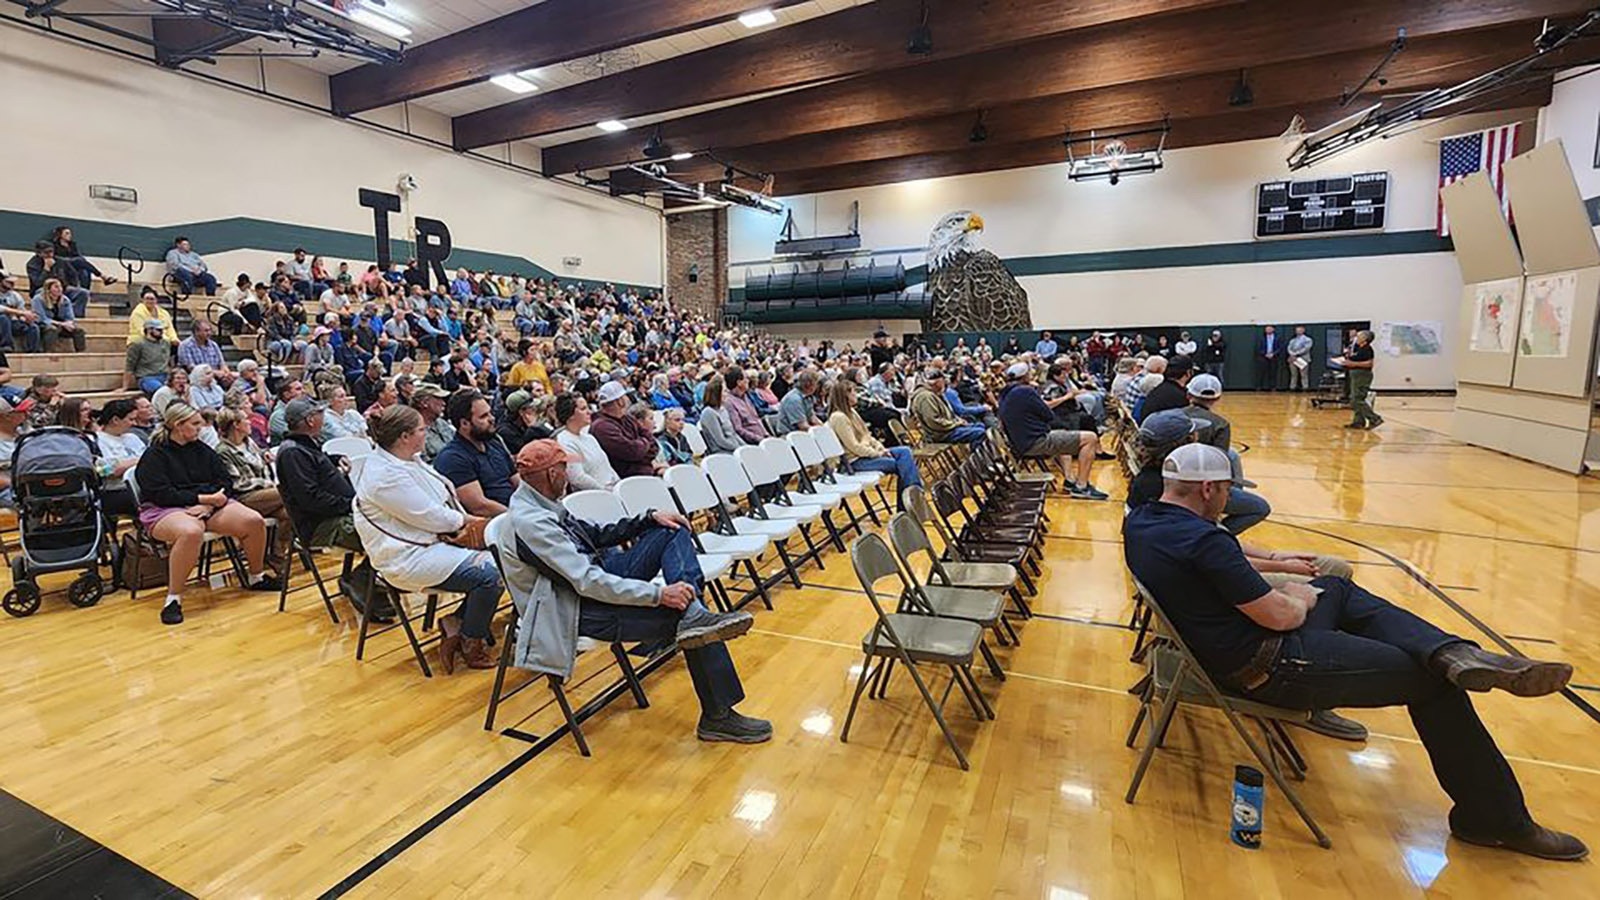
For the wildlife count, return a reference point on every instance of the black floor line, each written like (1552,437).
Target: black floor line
(540,745)
(1075,620)
(40,856)
(1421,579)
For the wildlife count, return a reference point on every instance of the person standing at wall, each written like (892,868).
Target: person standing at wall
(1299,349)
(1358,363)
(1214,355)
(1269,358)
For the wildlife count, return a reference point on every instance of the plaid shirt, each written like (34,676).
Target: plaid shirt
(191,354)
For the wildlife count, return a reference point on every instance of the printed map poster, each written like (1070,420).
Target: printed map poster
(1494,316)
(1547,314)
(1411,338)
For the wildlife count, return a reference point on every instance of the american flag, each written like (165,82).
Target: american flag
(1482,151)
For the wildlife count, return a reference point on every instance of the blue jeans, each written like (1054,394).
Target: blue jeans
(668,552)
(86,270)
(1093,403)
(478,578)
(15,331)
(1358,650)
(1244,511)
(898,463)
(190,279)
(80,301)
(965,434)
(152,383)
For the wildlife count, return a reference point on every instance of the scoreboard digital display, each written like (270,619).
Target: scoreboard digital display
(1318,206)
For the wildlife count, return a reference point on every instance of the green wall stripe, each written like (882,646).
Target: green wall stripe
(1241,253)
(19,230)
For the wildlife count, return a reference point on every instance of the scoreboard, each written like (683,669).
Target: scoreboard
(1316,206)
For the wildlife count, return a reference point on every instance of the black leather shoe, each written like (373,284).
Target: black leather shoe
(1330,724)
(1542,842)
(734,728)
(1475,669)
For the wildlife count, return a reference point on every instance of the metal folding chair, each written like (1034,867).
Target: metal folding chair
(1176,676)
(984,607)
(910,639)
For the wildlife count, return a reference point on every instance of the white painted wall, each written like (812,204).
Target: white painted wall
(197,151)
(1204,195)
(1573,117)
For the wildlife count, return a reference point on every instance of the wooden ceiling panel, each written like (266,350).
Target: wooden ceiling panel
(1251,124)
(866,38)
(1252,36)
(1427,64)
(550,32)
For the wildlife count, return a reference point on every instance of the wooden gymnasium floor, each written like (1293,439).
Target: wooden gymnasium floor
(246,754)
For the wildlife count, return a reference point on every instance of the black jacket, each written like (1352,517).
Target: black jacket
(311,484)
(1167,395)
(37,273)
(515,436)
(592,539)
(175,475)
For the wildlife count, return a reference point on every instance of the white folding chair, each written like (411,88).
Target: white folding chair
(783,459)
(805,447)
(833,451)
(352,447)
(605,508)
(643,493)
(697,441)
(692,488)
(733,477)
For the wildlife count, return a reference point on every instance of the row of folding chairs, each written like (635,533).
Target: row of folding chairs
(991,520)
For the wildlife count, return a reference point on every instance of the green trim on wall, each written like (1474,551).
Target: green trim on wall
(19,230)
(1241,253)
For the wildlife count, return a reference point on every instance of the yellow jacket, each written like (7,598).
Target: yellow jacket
(140,315)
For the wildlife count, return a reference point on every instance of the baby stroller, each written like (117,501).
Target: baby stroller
(57,485)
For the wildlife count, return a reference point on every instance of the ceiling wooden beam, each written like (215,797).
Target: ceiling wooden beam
(1426,64)
(1191,44)
(551,32)
(865,38)
(1253,124)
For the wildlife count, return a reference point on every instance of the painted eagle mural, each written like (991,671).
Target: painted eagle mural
(970,287)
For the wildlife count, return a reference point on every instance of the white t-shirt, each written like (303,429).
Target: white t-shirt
(115,449)
(1184,348)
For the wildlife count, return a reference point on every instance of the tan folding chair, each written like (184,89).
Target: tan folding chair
(1176,676)
(910,639)
(984,604)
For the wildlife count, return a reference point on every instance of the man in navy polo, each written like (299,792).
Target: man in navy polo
(1331,644)
(476,460)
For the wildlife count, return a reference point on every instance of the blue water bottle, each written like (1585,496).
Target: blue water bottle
(1247,800)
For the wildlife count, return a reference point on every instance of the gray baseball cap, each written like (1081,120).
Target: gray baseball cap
(299,410)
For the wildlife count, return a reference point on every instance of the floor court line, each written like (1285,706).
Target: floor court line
(1439,531)
(1122,692)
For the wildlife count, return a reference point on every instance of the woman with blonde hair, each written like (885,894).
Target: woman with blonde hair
(863,451)
(183,493)
(420,538)
(251,472)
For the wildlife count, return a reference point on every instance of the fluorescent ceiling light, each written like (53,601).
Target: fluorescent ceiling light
(680,157)
(611,125)
(757,18)
(514,83)
(379,22)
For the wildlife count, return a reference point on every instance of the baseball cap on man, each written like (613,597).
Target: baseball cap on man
(299,410)
(1017,370)
(611,391)
(1206,386)
(154,325)
(536,456)
(517,400)
(429,389)
(1167,427)
(1196,463)
(21,406)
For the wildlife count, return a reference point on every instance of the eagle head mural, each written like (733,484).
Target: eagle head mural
(970,287)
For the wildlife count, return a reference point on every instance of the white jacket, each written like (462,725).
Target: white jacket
(399,505)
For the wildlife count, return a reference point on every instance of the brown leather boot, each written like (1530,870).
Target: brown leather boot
(476,652)
(449,642)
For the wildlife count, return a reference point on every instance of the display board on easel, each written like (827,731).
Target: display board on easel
(1525,373)
(1491,270)
(1561,299)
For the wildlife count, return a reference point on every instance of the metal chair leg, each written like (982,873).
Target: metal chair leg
(977,691)
(855,699)
(761,586)
(788,562)
(500,675)
(988,658)
(922,688)
(629,674)
(566,710)
(1157,727)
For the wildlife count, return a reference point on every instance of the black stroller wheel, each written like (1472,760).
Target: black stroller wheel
(22,600)
(86,591)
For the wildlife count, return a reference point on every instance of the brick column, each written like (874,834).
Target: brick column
(698,241)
